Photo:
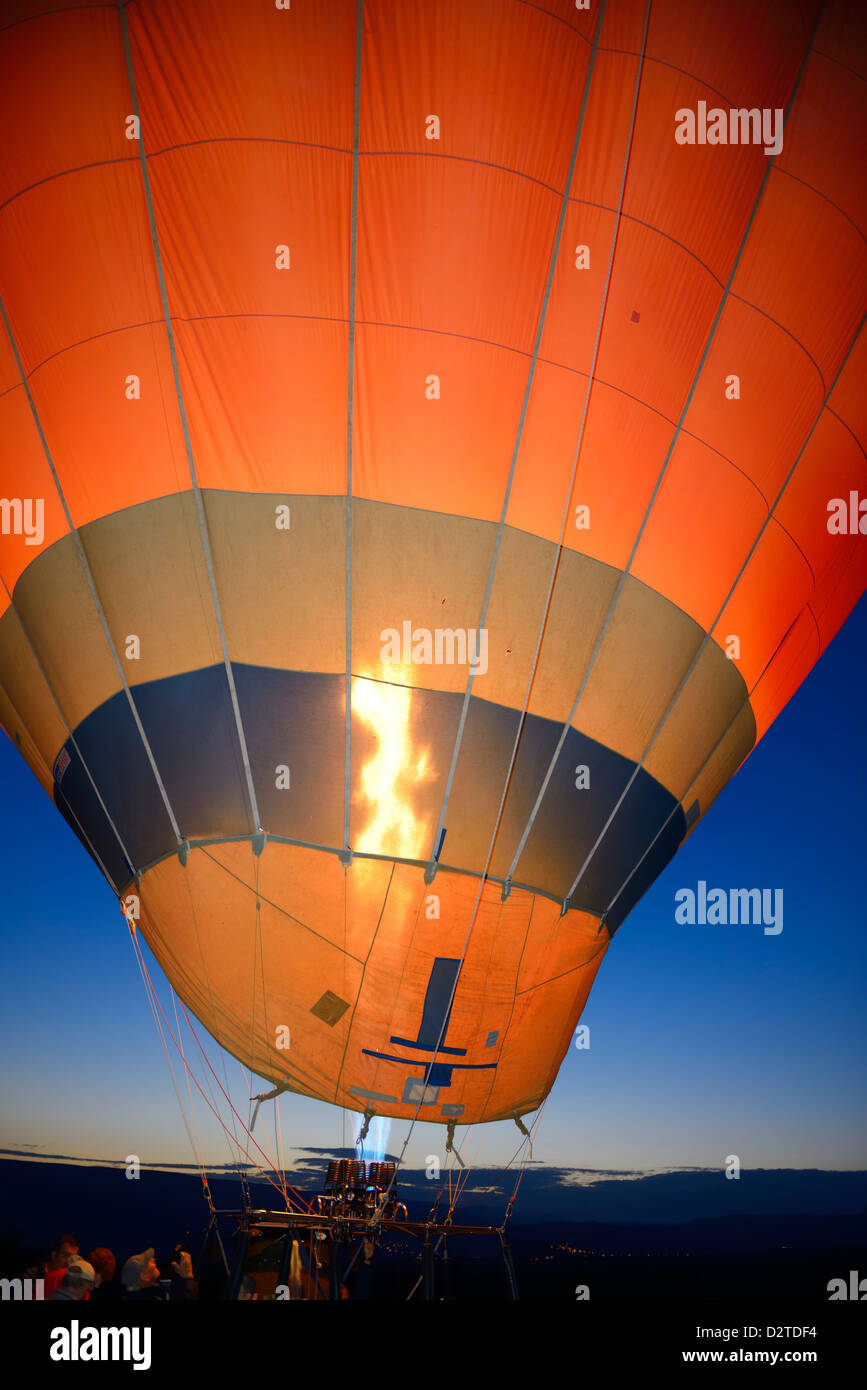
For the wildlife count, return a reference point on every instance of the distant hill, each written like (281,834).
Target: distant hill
(662,1236)
(39,1199)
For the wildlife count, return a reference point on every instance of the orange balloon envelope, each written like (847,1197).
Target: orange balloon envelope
(432,454)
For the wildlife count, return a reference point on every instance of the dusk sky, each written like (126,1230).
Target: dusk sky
(705,1040)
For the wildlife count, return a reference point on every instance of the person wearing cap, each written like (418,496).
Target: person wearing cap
(77,1282)
(140,1276)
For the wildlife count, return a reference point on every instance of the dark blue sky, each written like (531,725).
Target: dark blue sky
(705,1040)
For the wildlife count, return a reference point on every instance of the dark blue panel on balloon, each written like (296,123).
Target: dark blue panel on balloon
(294,727)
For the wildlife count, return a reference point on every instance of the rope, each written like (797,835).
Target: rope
(665,464)
(155,997)
(79,549)
(529,1142)
(182,410)
(189,1091)
(195,916)
(516,744)
(707,637)
(552,265)
(149,991)
(350,405)
(286,1187)
(189,1069)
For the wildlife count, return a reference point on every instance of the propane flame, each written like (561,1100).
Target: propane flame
(376,1143)
(390,776)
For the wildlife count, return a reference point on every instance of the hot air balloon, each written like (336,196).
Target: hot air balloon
(423,428)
